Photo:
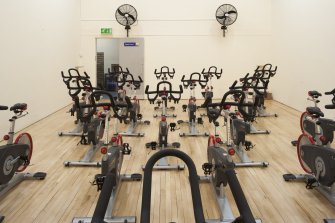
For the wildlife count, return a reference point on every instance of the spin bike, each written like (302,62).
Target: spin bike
(314,125)
(109,181)
(96,129)
(222,173)
(208,93)
(15,156)
(166,93)
(77,84)
(307,122)
(263,74)
(236,128)
(162,143)
(249,85)
(135,117)
(112,78)
(317,160)
(195,78)
(162,104)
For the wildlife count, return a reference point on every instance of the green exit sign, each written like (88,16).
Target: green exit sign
(106,30)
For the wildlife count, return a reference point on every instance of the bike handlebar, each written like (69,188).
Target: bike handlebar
(239,197)
(67,79)
(193,80)
(2,107)
(213,70)
(332,106)
(135,83)
(330,92)
(117,70)
(193,178)
(265,72)
(163,72)
(213,113)
(111,103)
(251,82)
(167,92)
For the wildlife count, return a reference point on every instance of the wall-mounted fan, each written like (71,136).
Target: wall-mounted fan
(226,15)
(126,15)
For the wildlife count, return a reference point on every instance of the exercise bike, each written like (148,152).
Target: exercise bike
(236,128)
(76,84)
(263,74)
(223,173)
(307,122)
(15,156)
(318,161)
(96,129)
(163,75)
(162,142)
(209,75)
(110,179)
(113,79)
(135,117)
(195,78)
(314,125)
(249,86)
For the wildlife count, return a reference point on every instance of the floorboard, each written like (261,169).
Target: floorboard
(67,192)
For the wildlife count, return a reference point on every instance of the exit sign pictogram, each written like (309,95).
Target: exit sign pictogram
(106,30)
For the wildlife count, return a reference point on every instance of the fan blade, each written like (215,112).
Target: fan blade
(231,12)
(220,17)
(121,13)
(132,17)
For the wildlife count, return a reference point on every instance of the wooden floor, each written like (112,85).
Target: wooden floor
(67,192)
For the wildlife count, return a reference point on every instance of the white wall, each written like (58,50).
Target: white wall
(185,35)
(303,40)
(39,38)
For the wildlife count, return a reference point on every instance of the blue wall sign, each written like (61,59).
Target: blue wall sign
(130,44)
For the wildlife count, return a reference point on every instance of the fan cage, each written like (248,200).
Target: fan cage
(226,15)
(126,15)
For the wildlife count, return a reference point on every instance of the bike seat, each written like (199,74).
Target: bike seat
(19,106)
(314,94)
(315,111)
